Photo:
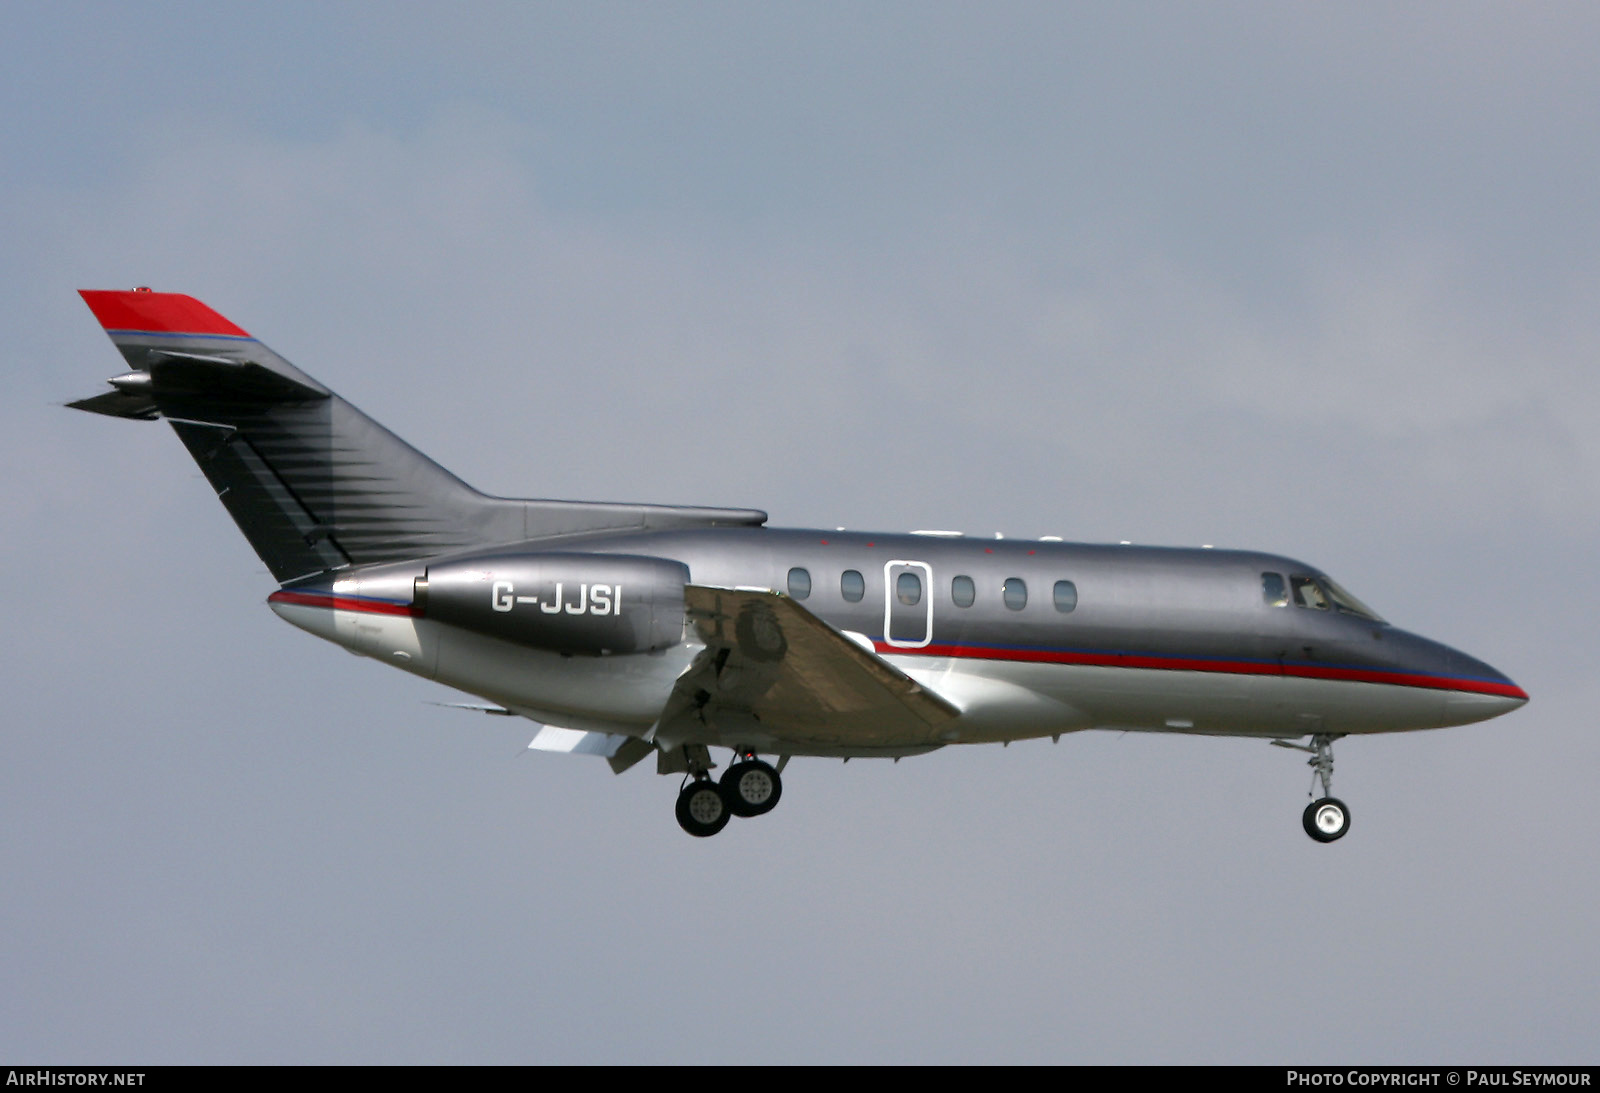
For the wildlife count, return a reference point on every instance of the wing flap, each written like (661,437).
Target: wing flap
(775,677)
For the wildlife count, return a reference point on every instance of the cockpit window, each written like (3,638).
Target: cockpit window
(1307,594)
(1273,590)
(1322,593)
(1346,603)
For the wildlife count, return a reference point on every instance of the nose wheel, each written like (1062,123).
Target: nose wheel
(1327,818)
(749,787)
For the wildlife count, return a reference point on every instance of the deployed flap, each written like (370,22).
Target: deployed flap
(773,677)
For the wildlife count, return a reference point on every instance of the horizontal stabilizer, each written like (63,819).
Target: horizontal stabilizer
(119,404)
(187,349)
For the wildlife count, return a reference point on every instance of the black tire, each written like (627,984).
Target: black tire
(696,812)
(1326,819)
(751,788)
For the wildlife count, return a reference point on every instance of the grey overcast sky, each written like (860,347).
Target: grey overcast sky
(1321,279)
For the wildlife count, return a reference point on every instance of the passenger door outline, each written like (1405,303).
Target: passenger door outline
(907,627)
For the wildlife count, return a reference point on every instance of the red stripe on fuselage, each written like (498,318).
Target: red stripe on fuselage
(1145,661)
(343,603)
(1193,664)
(157,313)
(1408,679)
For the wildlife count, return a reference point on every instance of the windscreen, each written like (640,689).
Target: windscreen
(1343,601)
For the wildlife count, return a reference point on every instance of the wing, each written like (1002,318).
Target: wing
(775,678)
(620,751)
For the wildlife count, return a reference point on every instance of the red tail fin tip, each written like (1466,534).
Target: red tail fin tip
(158,313)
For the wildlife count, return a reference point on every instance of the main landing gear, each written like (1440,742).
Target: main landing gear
(1327,818)
(749,787)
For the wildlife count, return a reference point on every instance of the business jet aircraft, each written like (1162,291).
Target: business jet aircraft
(628,631)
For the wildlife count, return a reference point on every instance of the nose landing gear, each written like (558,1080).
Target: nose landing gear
(1327,818)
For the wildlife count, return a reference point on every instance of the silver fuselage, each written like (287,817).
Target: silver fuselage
(1156,639)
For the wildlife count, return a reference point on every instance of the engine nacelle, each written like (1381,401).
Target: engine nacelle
(591,604)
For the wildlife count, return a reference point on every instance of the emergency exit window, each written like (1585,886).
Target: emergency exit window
(908,588)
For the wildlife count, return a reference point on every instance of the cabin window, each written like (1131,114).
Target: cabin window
(1273,590)
(852,585)
(908,588)
(1307,594)
(963,591)
(799,583)
(1066,596)
(1015,593)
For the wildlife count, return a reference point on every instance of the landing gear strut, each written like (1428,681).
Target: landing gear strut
(1327,818)
(749,787)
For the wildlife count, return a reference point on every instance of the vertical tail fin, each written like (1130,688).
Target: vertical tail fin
(313,482)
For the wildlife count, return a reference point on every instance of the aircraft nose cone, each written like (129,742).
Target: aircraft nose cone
(1480,692)
(1470,690)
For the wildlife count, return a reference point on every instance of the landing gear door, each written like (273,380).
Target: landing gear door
(908,604)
